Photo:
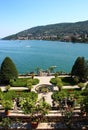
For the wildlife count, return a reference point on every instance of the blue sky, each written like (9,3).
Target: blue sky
(18,15)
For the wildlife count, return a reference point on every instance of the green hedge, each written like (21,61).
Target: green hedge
(65,81)
(22,82)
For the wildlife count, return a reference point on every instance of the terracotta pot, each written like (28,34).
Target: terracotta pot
(7,112)
(34,124)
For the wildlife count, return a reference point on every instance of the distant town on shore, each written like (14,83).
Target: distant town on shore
(68,32)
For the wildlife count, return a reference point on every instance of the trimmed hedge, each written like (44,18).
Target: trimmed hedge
(22,82)
(65,81)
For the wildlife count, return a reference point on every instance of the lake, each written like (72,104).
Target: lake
(30,54)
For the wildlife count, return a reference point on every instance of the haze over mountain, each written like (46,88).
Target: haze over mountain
(74,32)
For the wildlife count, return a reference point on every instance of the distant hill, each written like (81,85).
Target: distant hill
(74,32)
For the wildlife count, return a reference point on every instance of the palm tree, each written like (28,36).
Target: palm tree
(51,68)
(32,75)
(38,69)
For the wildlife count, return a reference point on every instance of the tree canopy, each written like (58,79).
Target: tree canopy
(8,71)
(80,69)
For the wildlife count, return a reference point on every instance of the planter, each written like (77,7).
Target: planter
(34,124)
(7,112)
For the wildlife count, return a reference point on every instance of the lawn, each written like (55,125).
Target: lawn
(68,81)
(22,82)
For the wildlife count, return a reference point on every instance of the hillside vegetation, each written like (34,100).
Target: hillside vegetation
(74,32)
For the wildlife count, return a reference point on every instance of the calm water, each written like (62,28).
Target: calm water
(28,55)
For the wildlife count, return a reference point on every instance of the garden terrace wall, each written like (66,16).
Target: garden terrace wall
(46,118)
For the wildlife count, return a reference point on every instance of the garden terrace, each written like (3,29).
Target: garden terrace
(55,121)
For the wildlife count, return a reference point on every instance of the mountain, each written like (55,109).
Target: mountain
(75,32)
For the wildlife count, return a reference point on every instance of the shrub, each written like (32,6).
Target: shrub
(81,85)
(59,85)
(53,81)
(22,82)
(9,95)
(35,81)
(76,79)
(8,71)
(7,104)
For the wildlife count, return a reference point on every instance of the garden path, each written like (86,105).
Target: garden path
(44,80)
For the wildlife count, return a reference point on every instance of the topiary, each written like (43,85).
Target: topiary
(8,71)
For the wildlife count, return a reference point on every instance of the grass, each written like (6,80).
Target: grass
(22,82)
(67,81)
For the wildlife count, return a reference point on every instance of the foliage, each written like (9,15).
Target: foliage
(53,81)
(57,96)
(80,69)
(51,69)
(7,88)
(6,122)
(28,102)
(34,81)
(32,106)
(76,79)
(29,85)
(86,86)
(59,85)
(31,95)
(7,104)
(27,105)
(32,75)
(8,71)
(68,81)
(56,74)
(85,104)
(1,96)
(9,95)
(65,81)
(22,82)
(44,107)
(81,85)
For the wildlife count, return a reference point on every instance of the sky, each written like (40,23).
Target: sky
(19,15)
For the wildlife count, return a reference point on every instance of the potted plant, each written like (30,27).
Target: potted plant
(29,85)
(34,121)
(36,109)
(7,105)
(6,122)
(7,88)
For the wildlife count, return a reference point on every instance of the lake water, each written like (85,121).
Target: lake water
(30,54)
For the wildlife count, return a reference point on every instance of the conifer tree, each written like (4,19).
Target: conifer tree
(8,71)
(80,69)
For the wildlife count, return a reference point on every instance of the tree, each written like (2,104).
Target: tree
(59,85)
(8,71)
(38,70)
(34,107)
(85,104)
(32,75)
(80,69)
(51,68)
(29,85)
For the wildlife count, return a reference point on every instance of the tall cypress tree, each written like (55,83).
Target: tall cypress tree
(8,71)
(80,68)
